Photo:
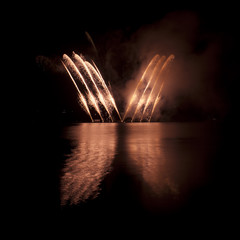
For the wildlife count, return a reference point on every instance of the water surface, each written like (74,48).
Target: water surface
(139,169)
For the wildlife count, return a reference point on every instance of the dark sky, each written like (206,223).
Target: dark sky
(45,32)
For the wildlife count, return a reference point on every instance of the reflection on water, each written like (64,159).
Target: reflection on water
(169,160)
(146,153)
(88,162)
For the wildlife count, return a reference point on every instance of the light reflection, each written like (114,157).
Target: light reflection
(89,161)
(159,163)
(146,153)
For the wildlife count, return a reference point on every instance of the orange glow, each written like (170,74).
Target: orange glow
(170,59)
(160,62)
(157,99)
(143,94)
(141,102)
(89,162)
(149,160)
(152,62)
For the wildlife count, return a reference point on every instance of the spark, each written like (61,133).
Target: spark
(81,97)
(156,68)
(143,93)
(153,61)
(96,91)
(110,97)
(169,59)
(79,59)
(156,101)
(154,85)
(91,97)
(91,41)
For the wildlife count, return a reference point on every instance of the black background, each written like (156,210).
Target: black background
(45,29)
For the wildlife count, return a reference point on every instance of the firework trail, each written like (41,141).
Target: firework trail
(91,98)
(109,95)
(101,98)
(141,100)
(92,42)
(95,88)
(162,69)
(81,97)
(143,93)
(134,96)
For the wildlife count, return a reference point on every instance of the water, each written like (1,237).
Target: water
(115,175)
(150,169)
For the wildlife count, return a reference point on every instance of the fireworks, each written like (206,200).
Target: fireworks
(93,92)
(95,97)
(148,90)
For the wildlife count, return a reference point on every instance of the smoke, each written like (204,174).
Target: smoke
(48,64)
(192,85)
(192,88)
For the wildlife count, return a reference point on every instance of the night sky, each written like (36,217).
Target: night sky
(203,37)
